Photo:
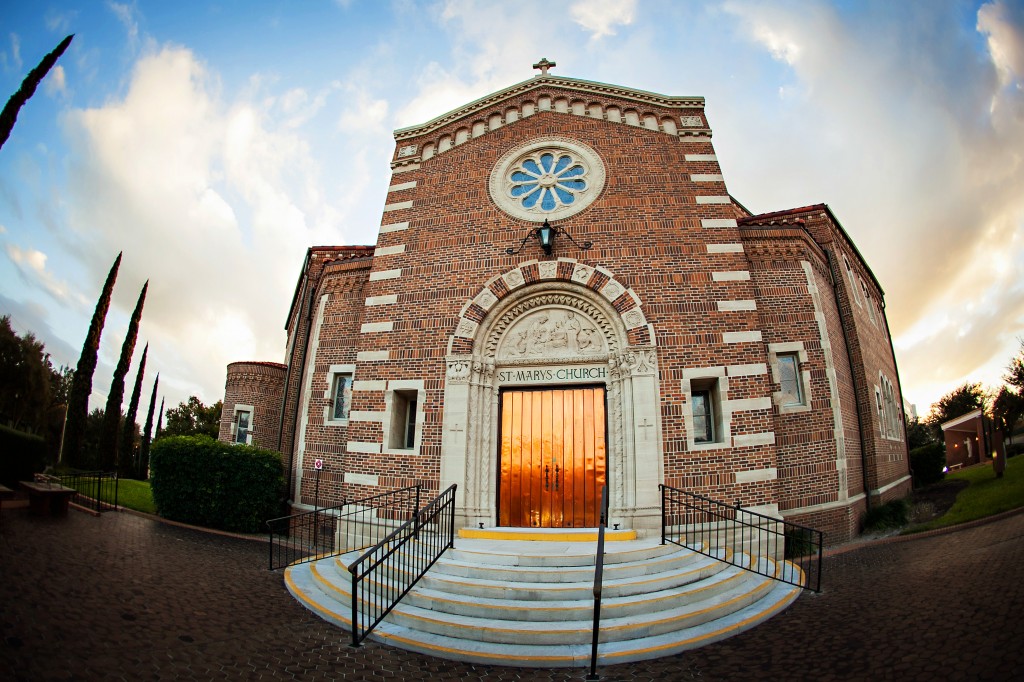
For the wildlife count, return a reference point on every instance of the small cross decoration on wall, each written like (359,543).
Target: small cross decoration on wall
(544,65)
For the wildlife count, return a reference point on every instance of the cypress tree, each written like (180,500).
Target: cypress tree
(112,415)
(159,421)
(81,382)
(28,87)
(143,468)
(126,454)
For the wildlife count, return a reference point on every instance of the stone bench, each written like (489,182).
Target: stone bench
(47,499)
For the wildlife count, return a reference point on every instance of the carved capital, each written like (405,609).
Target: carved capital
(639,361)
(458,370)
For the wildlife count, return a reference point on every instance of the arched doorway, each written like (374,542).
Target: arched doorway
(552,337)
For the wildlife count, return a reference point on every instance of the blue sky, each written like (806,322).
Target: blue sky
(213,142)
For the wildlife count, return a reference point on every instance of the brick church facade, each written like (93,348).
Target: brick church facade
(564,295)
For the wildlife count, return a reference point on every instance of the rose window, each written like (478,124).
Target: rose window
(548,180)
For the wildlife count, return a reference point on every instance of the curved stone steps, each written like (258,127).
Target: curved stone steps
(680,600)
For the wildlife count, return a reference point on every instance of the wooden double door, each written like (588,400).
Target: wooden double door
(552,457)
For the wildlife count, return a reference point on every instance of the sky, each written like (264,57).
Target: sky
(214,142)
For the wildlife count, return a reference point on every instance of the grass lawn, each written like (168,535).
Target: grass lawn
(134,495)
(986,495)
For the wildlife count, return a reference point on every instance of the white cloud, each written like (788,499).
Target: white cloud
(60,22)
(364,113)
(55,81)
(32,266)
(1003,24)
(600,17)
(12,63)
(126,14)
(214,202)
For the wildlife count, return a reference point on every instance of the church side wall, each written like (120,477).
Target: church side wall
(341,291)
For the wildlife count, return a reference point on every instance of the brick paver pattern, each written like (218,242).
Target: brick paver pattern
(125,597)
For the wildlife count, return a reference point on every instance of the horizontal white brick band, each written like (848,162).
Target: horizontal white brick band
(752,439)
(389,250)
(371,327)
(405,169)
(394,227)
(372,355)
(755,369)
(725,248)
(402,185)
(735,306)
(714,200)
(706,177)
(703,372)
(701,157)
(397,206)
(358,446)
(382,300)
(362,479)
(386,274)
(718,222)
(749,404)
(365,416)
(730,276)
(756,475)
(373,385)
(406,384)
(741,337)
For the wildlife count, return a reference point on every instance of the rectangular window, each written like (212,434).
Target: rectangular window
(703,417)
(342,396)
(789,379)
(402,434)
(242,426)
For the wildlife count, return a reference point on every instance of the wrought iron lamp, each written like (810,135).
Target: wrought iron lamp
(545,234)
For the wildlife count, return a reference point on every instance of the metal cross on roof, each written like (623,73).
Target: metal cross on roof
(544,65)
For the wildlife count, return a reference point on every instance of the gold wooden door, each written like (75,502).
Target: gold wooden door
(552,458)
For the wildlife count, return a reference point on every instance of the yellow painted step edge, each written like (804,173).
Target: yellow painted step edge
(545,536)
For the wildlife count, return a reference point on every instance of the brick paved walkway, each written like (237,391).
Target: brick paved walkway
(124,597)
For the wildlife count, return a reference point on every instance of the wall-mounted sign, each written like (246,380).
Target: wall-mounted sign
(571,374)
(318,464)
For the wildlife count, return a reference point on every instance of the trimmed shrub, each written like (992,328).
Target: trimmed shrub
(892,514)
(21,455)
(205,482)
(927,463)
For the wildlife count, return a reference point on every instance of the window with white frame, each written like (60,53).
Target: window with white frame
(403,416)
(339,394)
(705,416)
(789,372)
(241,425)
(853,279)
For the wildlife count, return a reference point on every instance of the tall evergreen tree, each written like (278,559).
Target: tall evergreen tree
(126,464)
(112,425)
(28,87)
(159,421)
(81,384)
(143,468)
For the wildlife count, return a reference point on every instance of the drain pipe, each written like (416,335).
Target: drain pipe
(853,377)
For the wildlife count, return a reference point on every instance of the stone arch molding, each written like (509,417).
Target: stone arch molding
(554,313)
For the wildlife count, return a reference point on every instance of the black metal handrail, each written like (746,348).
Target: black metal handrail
(727,532)
(345,527)
(95,489)
(598,582)
(386,572)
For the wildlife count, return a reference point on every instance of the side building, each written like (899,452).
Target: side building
(564,295)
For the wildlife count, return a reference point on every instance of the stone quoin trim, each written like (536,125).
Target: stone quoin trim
(718,222)
(713,200)
(398,187)
(702,157)
(706,177)
(385,274)
(725,248)
(397,206)
(394,227)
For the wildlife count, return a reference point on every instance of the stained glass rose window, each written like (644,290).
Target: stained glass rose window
(549,178)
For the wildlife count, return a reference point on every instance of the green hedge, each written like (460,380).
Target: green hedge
(927,463)
(21,455)
(202,481)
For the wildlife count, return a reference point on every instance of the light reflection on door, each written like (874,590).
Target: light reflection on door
(552,458)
